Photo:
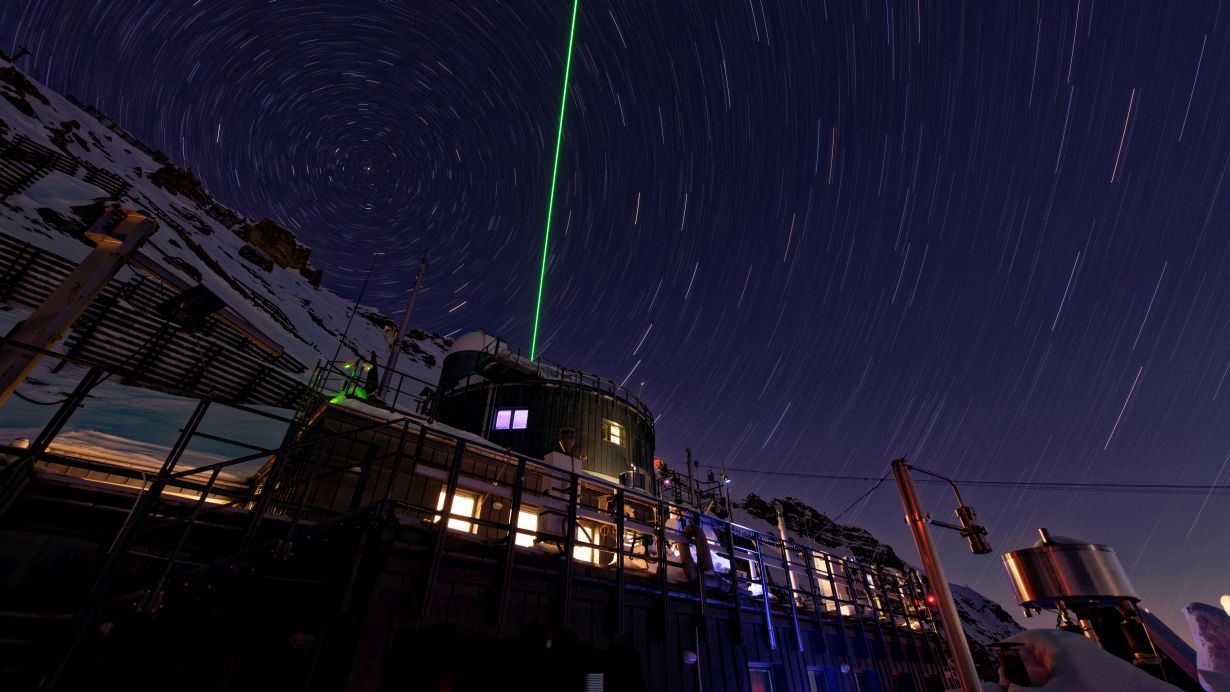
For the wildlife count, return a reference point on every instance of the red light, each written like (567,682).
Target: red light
(931,600)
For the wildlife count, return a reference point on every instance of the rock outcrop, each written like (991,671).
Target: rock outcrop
(280,246)
(174,179)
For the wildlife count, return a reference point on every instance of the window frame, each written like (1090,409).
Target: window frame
(455,522)
(613,432)
(511,423)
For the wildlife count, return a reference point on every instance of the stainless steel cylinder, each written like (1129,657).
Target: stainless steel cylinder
(1066,570)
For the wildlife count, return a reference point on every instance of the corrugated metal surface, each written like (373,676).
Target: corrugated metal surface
(123,329)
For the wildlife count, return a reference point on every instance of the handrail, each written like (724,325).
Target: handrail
(279,450)
(493,348)
(843,575)
(332,382)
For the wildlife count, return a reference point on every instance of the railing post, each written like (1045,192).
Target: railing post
(145,505)
(619,561)
(570,541)
(697,530)
(764,594)
(790,584)
(270,486)
(734,583)
(361,484)
(663,565)
(401,450)
(446,513)
(153,598)
(510,550)
(810,556)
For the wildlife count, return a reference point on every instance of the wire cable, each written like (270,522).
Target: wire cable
(23,397)
(864,496)
(1138,488)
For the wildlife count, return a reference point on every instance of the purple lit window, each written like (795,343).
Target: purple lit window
(503,419)
(512,419)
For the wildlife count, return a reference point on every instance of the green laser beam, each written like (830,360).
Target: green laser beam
(559,141)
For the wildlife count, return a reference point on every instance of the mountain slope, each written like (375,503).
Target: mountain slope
(257,267)
(61,164)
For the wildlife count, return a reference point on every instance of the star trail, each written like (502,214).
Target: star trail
(814,234)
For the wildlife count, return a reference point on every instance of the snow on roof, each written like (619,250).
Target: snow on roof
(474,341)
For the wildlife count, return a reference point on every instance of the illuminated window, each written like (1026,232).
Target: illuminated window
(613,432)
(464,505)
(527,521)
(584,553)
(512,419)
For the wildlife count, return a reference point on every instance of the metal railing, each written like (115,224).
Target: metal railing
(339,380)
(603,528)
(500,349)
(605,532)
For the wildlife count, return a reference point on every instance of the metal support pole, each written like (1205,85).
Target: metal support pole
(119,235)
(270,486)
(361,484)
(395,350)
(764,594)
(695,499)
(663,565)
(958,647)
(787,564)
(737,621)
(570,541)
(510,550)
(696,531)
(619,562)
(781,533)
(144,507)
(153,599)
(346,332)
(810,556)
(401,450)
(446,513)
(794,606)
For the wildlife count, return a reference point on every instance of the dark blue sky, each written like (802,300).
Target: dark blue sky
(990,236)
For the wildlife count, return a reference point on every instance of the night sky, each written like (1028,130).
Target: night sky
(819,234)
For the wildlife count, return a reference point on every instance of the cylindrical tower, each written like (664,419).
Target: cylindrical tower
(490,388)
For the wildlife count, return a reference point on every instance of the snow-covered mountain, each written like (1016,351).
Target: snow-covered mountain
(62,162)
(985,621)
(257,267)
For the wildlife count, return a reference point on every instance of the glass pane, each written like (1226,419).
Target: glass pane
(520,417)
(463,505)
(584,553)
(503,418)
(527,520)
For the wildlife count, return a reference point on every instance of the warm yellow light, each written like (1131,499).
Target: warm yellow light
(527,520)
(464,505)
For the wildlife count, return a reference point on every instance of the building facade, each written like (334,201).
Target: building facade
(488,387)
(378,550)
